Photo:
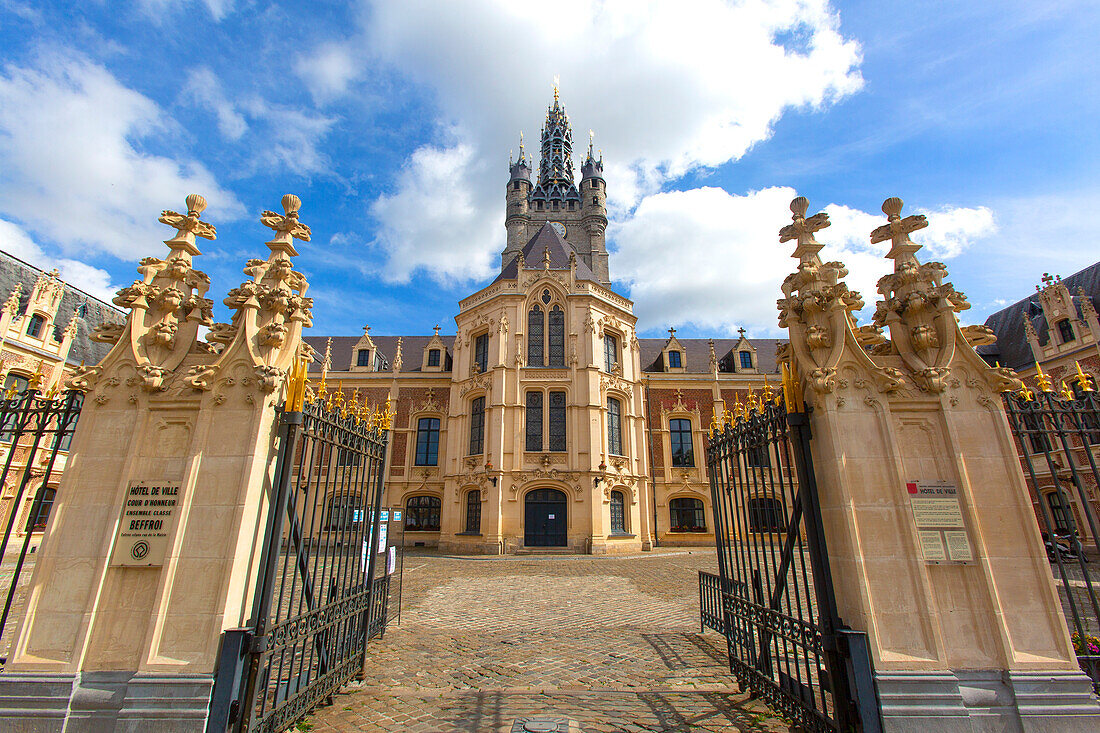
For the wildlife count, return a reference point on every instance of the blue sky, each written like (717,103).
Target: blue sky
(393,122)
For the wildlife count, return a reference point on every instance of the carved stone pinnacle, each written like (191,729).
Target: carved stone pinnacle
(892,208)
(799,206)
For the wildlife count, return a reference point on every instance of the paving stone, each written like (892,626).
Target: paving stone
(611,644)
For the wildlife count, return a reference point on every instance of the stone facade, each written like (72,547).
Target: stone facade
(1055,330)
(512,358)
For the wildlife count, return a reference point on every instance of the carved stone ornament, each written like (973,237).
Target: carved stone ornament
(817,306)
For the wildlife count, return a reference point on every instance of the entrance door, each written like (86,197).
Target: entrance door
(544,519)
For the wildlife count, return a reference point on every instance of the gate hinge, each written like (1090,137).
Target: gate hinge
(259,645)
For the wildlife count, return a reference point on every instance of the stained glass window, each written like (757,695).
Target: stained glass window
(534,337)
(680,438)
(557,337)
(473,511)
(477,426)
(610,352)
(687,515)
(534,421)
(618,513)
(427,441)
(614,427)
(422,514)
(546,297)
(481,352)
(557,421)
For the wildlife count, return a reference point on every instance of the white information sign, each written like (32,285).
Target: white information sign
(148,520)
(382,532)
(939,520)
(391,560)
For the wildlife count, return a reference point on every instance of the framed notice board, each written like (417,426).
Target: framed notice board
(939,520)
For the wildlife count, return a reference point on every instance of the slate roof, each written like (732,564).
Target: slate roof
(546,239)
(1012,349)
(696,352)
(96,312)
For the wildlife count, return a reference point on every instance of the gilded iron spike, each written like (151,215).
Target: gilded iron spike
(1045,384)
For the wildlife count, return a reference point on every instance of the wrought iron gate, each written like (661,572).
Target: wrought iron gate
(1058,436)
(318,599)
(35,431)
(774,599)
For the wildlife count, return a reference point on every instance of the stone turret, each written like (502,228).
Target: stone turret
(594,213)
(517,216)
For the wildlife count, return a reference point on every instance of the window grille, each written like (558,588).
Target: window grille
(674,360)
(473,511)
(618,513)
(557,421)
(422,514)
(557,337)
(481,352)
(610,352)
(477,426)
(683,454)
(534,337)
(427,441)
(534,421)
(614,427)
(687,515)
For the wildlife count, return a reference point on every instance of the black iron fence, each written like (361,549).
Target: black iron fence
(777,608)
(319,598)
(1058,439)
(35,432)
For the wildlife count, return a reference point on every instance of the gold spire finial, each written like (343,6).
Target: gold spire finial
(1042,379)
(296,387)
(36,379)
(1084,381)
(557,80)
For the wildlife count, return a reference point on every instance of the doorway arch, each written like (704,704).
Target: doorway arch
(544,522)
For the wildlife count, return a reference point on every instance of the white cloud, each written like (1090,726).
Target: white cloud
(157,9)
(433,222)
(713,259)
(668,87)
(73,171)
(204,89)
(328,70)
(15,241)
(290,137)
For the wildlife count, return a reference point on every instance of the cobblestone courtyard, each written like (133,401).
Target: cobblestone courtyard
(612,644)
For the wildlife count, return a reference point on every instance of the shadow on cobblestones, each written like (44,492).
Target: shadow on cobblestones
(611,643)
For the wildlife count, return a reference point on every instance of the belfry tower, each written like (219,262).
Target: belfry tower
(580,216)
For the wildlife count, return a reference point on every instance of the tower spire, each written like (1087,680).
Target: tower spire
(556,164)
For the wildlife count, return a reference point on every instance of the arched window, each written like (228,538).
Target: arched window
(766,515)
(746,359)
(38,523)
(1059,513)
(618,513)
(556,333)
(533,418)
(683,455)
(477,426)
(344,511)
(610,352)
(686,515)
(20,383)
(534,336)
(427,441)
(422,514)
(34,326)
(481,353)
(614,427)
(473,512)
(1065,330)
(16,386)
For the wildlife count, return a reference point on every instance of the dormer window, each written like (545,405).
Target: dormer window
(746,359)
(674,360)
(1065,330)
(433,357)
(34,326)
(362,358)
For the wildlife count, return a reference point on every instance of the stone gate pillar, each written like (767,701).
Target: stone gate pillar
(151,548)
(934,548)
